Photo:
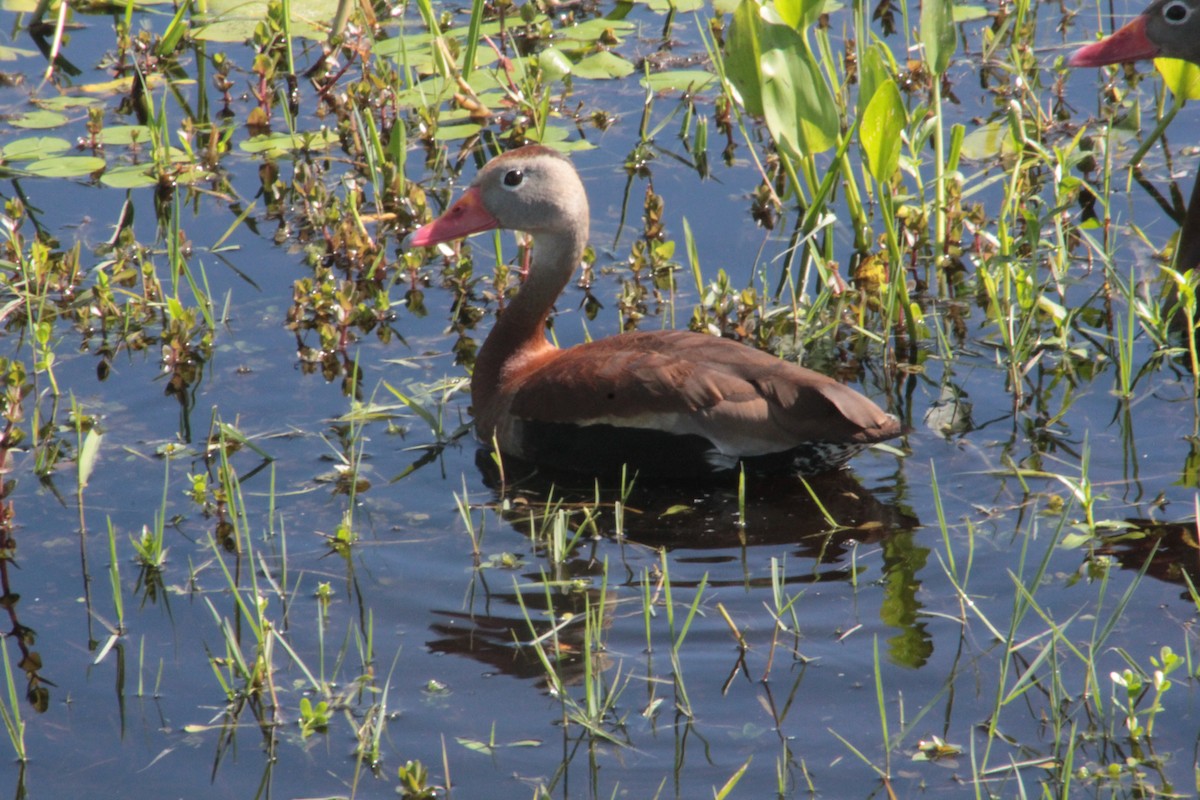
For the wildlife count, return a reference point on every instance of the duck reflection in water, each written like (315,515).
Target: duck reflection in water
(711,536)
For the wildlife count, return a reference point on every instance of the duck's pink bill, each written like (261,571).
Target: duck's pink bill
(1129,43)
(466,216)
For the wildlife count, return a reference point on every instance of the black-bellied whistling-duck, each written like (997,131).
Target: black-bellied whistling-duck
(1165,29)
(666,403)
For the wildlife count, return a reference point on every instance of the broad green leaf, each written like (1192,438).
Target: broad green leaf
(880,131)
(797,103)
(39,120)
(602,65)
(450,133)
(33,147)
(124,135)
(989,141)
(938,34)
(234,21)
(64,102)
(554,64)
(742,50)
(278,143)
(66,166)
(873,71)
(679,80)
(1181,77)
(129,176)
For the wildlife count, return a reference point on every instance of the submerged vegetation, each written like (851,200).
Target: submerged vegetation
(209,203)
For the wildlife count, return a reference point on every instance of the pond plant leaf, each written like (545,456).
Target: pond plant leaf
(40,119)
(129,176)
(601,66)
(66,166)
(774,71)
(115,135)
(33,147)
(1181,77)
(988,141)
(279,143)
(678,80)
(880,131)
(938,34)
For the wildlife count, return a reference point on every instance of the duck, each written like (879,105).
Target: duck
(662,404)
(1164,29)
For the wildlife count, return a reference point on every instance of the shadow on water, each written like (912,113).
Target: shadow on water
(819,523)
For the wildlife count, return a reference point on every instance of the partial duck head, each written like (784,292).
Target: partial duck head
(1166,29)
(532,189)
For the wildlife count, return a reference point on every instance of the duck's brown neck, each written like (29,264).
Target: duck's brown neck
(520,332)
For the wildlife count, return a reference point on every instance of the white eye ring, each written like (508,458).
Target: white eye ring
(513,178)
(1176,12)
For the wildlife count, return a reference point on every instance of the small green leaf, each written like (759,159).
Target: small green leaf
(691,80)
(601,66)
(88,452)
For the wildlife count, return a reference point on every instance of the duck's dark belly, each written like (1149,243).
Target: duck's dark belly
(603,450)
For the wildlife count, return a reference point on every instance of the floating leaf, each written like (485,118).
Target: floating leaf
(40,119)
(234,21)
(278,143)
(450,133)
(602,65)
(880,129)
(33,147)
(66,166)
(120,85)
(124,135)
(129,176)
(64,102)
(692,80)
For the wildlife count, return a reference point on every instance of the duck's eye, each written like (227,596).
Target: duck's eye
(1176,12)
(513,178)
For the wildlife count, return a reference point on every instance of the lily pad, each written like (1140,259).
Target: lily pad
(129,176)
(234,21)
(125,135)
(64,102)
(33,147)
(278,143)
(40,120)
(678,80)
(450,133)
(602,66)
(66,166)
